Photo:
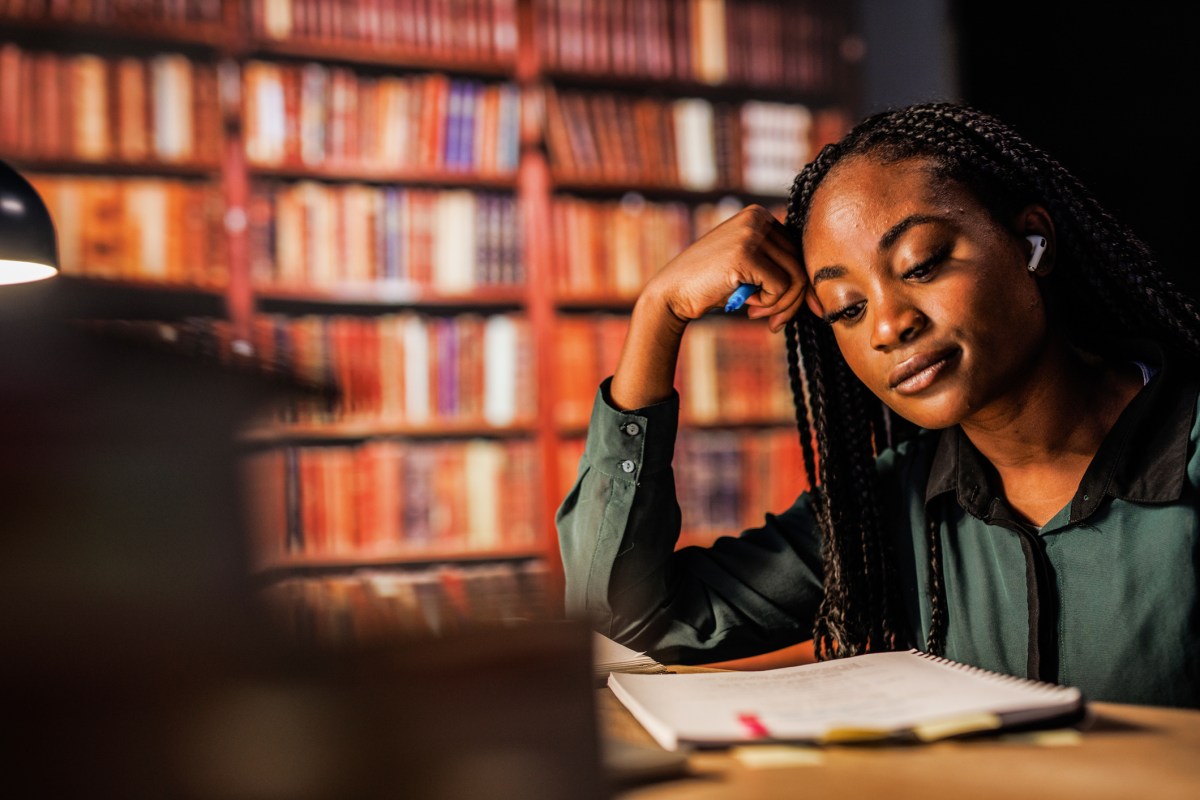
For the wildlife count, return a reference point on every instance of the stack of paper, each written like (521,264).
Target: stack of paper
(609,657)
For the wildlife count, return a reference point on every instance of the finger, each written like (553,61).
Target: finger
(814,304)
(774,284)
(796,280)
(780,235)
(785,257)
(779,320)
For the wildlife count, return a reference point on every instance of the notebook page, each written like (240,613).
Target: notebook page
(889,691)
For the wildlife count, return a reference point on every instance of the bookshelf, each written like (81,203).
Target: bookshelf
(662,119)
(445,210)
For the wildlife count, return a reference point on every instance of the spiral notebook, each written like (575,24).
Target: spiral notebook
(906,696)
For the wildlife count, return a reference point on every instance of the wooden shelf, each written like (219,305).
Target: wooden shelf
(672,88)
(357,430)
(386,297)
(139,33)
(413,557)
(579,429)
(596,302)
(194,169)
(138,284)
(383,175)
(382,56)
(95,297)
(596,185)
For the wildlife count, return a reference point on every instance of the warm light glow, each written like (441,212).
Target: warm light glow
(24,271)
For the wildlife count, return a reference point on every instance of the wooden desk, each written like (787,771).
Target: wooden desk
(1124,752)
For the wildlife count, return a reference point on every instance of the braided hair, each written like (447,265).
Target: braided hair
(1105,284)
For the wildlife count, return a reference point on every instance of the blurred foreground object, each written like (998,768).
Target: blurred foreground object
(28,248)
(136,662)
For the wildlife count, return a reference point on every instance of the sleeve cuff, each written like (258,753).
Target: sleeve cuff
(628,445)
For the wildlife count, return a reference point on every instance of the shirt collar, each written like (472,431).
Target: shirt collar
(1143,458)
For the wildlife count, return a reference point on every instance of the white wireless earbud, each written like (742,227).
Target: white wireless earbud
(1039,247)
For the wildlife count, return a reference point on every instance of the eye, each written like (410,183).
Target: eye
(925,269)
(848,313)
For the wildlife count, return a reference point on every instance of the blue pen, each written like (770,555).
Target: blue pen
(739,296)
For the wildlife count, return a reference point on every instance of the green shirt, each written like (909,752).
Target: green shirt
(1103,596)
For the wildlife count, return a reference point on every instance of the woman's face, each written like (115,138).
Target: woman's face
(929,298)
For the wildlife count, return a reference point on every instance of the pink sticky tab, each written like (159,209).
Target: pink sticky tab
(753,725)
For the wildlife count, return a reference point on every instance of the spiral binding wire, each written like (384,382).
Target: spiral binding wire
(1031,683)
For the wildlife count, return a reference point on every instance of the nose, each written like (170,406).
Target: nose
(896,321)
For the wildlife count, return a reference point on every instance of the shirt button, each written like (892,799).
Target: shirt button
(633,429)
(627,466)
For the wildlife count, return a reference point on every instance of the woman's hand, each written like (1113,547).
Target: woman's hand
(751,247)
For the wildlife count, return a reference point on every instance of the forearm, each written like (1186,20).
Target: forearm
(645,372)
(750,248)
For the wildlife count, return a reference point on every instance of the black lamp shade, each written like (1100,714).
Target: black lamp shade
(28,247)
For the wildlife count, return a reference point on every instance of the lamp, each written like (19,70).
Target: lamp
(28,248)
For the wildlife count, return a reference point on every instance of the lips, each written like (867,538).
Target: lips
(917,372)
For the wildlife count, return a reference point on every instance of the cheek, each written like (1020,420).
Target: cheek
(855,346)
(1004,312)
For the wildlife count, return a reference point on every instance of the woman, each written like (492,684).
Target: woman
(1024,498)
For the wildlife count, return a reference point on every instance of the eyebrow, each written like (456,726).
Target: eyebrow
(897,230)
(887,240)
(827,274)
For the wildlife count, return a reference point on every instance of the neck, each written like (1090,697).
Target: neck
(1042,436)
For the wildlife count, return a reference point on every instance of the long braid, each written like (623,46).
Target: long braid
(1105,284)
(936,641)
(799,398)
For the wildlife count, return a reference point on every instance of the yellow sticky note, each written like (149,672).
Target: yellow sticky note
(1062,737)
(851,735)
(954,726)
(767,756)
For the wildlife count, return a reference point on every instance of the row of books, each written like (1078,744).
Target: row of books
(604,136)
(742,42)
(481,29)
(452,241)
(403,369)
(114,11)
(610,248)
(389,499)
(730,371)
(726,481)
(729,480)
(159,229)
(317,115)
(369,606)
(733,370)
(340,237)
(776,141)
(85,107)
(688,142)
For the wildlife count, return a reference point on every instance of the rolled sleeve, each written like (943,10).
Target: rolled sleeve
(627,459)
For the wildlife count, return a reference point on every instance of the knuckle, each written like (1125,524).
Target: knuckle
(756,213)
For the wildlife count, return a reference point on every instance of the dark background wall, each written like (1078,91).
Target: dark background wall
(1109,91)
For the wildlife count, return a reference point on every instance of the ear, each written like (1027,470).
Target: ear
(1035,220)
